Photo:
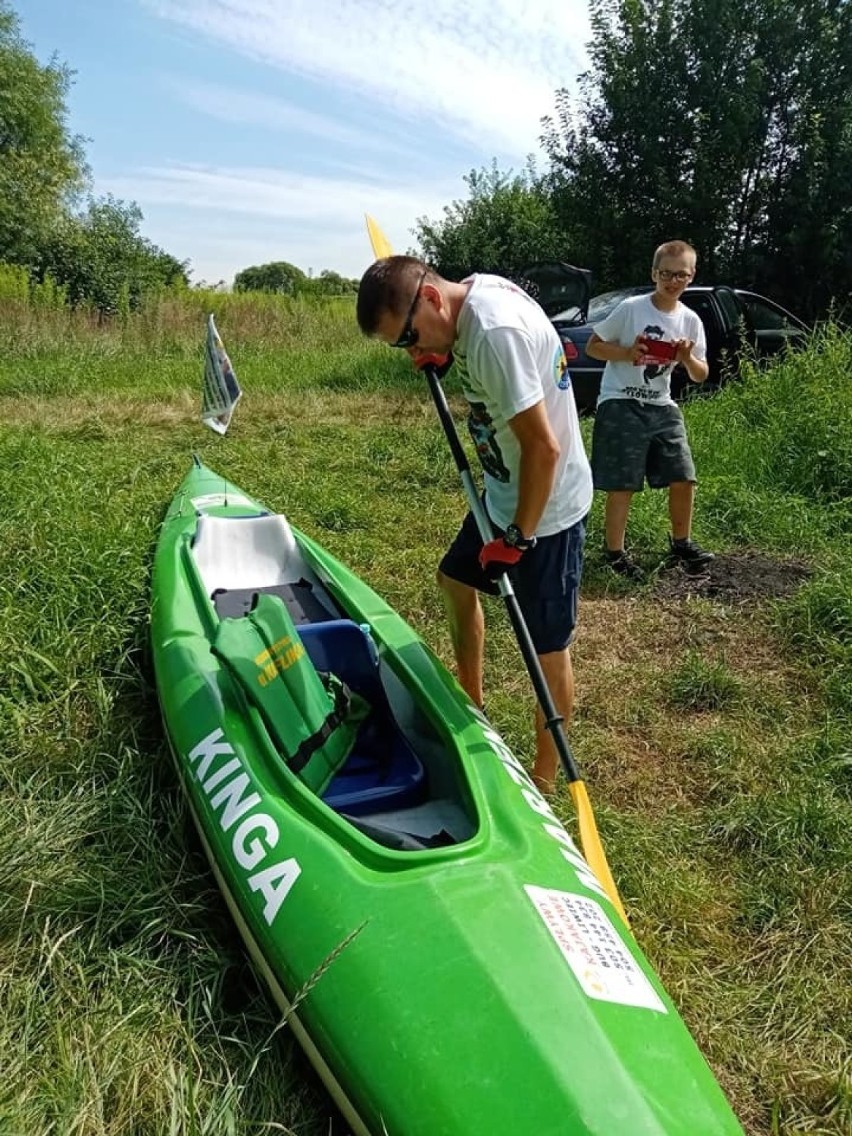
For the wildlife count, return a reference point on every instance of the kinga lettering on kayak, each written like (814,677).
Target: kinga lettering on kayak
(255,834)
(539,805)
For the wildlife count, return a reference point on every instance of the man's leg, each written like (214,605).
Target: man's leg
(559,675)
(467,633)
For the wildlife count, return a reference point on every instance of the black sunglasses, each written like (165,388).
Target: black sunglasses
(410,335)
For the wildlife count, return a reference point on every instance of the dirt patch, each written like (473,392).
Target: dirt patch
(735,577)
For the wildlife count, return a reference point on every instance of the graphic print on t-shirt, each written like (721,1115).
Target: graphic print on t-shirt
(481,427)
(561,372)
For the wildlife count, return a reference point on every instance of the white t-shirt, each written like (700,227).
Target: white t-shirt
(637,315)
(509,358)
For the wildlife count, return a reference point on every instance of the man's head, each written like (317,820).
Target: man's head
(673,268)
(405,304)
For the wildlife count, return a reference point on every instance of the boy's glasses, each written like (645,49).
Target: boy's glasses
(680,277)
(409,335)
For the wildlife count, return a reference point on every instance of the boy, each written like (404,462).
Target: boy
(639,430)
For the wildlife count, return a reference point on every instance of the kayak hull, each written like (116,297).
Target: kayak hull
(441,948)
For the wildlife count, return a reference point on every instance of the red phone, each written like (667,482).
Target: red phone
(659,349)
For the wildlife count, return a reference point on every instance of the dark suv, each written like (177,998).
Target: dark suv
(732,317)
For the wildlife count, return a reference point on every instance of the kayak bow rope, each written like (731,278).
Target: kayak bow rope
(589,836)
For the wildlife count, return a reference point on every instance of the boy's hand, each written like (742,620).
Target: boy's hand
(683,350)
(635,355)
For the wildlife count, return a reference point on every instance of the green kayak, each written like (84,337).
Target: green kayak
(445,955)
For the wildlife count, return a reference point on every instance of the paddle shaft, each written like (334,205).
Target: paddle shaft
(552,720)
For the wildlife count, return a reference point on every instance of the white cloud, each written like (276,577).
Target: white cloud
(225,219)
(240,107)
(485,71)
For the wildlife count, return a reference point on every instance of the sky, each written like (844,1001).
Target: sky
(251,131)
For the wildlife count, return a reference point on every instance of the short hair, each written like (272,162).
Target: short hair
(673,248)
(387,286)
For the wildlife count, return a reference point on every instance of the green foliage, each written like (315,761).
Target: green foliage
(41,165)
(717,121)
(278,276)
(100,257)
(14,282)
(704,684)
(505,225)
(328,283)
(800,415)
(284,279)
(96,255)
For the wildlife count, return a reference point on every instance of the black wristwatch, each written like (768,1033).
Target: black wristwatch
(516,539)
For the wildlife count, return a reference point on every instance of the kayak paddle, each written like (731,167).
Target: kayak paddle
(589,836)
(380,243)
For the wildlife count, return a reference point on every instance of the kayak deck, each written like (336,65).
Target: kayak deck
(388,787)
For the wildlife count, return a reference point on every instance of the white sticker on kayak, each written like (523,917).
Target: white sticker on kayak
(594,950)
(213,500)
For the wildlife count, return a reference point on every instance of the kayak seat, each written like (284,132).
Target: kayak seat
(382,771)
(231,551)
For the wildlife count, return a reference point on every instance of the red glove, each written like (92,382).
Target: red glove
(441,363)
(497,556)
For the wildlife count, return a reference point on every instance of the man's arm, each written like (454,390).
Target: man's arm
(539,459)
(609,352)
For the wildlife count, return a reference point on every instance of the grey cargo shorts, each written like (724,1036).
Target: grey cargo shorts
(632,441)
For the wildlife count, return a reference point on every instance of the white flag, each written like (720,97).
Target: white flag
(221,390)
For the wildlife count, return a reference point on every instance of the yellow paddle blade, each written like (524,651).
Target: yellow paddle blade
(380,243)
(592,847)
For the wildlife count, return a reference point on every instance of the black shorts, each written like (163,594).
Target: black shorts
(546,580)
(632,440)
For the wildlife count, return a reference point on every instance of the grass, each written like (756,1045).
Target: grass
(714,739)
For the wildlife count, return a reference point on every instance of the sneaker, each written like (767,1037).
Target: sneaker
(690,555)
(620,563)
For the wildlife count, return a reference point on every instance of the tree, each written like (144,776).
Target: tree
(278,276)
(717,121)
(330,283)
(506,223)
(100,257)
(41,165)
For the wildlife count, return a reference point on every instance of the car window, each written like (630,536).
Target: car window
(730,306)
(601,306)
(567,315)
(764,315)
(701,304)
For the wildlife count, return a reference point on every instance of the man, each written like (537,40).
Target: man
(538,486)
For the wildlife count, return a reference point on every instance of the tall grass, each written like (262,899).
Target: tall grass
(715,740)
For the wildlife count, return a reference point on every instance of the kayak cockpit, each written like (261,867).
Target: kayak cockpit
(370,754)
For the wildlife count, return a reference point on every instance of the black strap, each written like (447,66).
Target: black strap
(342,701)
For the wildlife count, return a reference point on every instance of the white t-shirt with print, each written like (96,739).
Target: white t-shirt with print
(509,358)
(649,382)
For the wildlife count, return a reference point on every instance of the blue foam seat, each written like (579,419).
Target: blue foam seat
(382,771)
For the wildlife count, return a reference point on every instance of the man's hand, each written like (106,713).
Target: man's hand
(497,556)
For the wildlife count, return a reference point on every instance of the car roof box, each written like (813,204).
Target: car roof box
(558,286)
